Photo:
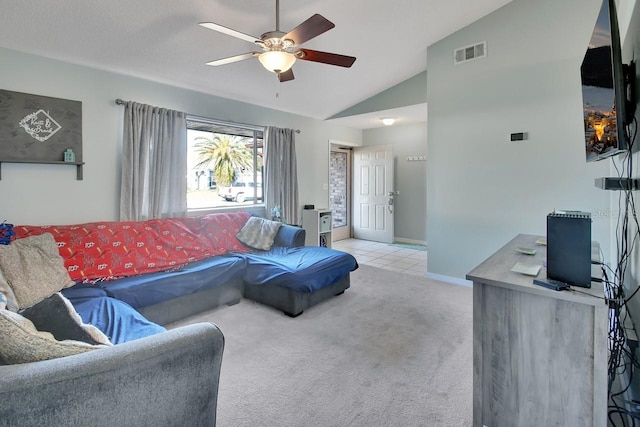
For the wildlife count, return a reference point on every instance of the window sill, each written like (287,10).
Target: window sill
(257,208)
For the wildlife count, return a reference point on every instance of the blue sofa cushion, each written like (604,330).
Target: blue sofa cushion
(153,288)
(116,319)
(303,269)
(290,235)
(81,290)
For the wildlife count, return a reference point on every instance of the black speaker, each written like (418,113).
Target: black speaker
(569,247)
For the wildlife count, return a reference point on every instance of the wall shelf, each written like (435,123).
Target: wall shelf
(78,165)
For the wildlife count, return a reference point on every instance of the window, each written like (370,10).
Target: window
(224,164)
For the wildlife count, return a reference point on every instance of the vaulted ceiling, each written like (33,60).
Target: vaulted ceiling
(161,40)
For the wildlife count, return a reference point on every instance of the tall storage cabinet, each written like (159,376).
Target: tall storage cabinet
(317,225)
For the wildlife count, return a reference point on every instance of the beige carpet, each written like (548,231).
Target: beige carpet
(393,350)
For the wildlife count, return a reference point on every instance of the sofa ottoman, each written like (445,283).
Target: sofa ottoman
(293,279)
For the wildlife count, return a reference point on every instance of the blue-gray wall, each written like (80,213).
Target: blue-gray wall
(412,91)
(483,190)
(50,194)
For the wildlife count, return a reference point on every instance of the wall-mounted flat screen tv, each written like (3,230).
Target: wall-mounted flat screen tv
(603,88)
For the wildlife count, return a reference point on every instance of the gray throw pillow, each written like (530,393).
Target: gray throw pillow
(259,233)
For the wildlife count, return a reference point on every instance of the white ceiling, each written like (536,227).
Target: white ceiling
(161,40)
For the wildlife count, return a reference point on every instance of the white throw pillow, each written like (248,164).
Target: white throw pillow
(259,233)
(7,295)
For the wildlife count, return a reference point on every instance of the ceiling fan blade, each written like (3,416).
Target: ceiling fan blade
(286,76)
(309,29)
(326,57)
(231,59)
(229,31)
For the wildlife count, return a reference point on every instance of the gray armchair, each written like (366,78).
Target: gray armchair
(169,379)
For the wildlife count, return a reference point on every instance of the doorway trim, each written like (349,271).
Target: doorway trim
(335,145)
(344,231)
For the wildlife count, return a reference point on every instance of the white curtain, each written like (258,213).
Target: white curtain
(154,163)
(280,173)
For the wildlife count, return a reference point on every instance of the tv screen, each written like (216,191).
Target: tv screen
(603,88)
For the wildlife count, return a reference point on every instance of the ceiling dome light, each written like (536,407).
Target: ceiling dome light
(388,121)
(277,61)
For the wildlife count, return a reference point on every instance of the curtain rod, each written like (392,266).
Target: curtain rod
(121,102)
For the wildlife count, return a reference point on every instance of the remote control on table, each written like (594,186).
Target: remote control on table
(551,284)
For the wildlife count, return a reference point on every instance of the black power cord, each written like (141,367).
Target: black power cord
(621,358)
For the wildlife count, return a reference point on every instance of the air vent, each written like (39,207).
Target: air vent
(467,53)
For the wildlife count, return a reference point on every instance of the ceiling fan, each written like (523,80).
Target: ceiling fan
(281,50)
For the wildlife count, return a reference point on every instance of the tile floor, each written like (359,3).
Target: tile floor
(383,255)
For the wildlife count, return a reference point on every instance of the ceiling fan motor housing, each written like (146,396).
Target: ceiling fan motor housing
(273,40)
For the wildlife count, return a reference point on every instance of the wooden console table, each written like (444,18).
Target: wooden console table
(539,355)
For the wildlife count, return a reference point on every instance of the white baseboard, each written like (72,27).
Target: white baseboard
(410,241)
(449,279)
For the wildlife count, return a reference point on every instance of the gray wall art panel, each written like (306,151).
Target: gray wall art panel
(39,128)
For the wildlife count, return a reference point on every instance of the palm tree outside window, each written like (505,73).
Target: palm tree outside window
(224,164)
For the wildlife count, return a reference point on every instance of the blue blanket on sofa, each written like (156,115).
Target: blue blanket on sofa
(153,288)
(304,269)
(116,319)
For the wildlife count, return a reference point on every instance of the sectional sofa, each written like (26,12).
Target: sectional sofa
(127,279)
(168,269)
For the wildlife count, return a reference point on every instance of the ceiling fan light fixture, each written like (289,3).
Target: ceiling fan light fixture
(388,121)
(277,60)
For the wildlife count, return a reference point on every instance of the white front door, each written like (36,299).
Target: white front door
(373,193)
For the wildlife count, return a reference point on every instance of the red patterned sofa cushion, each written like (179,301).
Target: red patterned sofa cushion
(102,250)
(177,243)
(99,249)
(220,230)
